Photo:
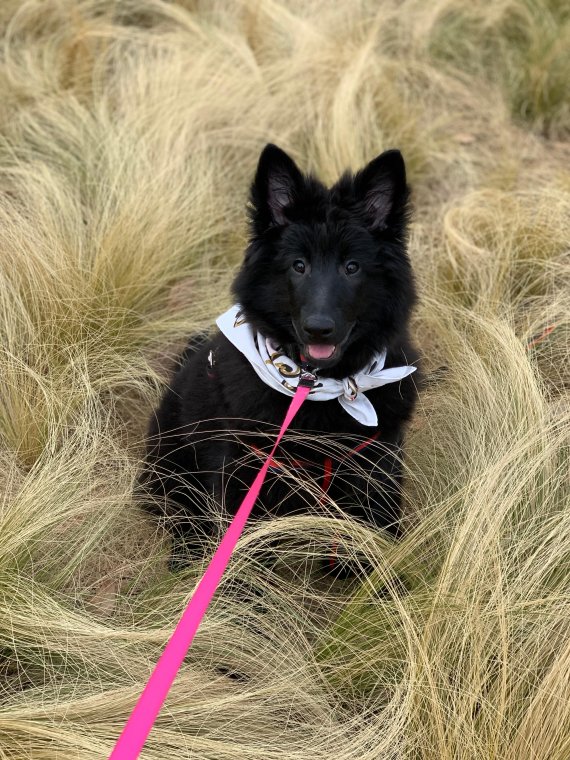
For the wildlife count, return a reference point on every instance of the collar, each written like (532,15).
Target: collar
(280,372)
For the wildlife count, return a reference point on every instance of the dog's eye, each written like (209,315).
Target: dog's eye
(351,267)
(299,266)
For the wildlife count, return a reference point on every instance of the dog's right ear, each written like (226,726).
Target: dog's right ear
(277,185)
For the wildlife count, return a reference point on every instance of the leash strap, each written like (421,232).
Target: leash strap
(142,718)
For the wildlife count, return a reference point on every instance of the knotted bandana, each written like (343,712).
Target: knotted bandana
(279,371)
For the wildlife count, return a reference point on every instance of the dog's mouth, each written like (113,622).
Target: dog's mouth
(321,351)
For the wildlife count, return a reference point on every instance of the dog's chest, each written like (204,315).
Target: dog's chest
(321,431)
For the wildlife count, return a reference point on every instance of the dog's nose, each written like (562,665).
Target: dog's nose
(318,327)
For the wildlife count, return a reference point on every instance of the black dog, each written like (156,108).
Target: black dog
(327,281)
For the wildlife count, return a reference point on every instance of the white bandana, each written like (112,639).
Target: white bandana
(279,371)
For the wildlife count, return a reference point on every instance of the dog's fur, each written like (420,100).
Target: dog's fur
(201,436)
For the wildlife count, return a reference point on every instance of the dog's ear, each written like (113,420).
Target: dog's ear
(276,186)
(381,190)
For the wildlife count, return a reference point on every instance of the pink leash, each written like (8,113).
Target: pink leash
(142,718)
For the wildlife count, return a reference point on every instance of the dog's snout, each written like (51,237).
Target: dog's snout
(318,326)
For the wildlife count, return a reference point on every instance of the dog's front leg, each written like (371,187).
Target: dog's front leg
(369,486)
(383,487)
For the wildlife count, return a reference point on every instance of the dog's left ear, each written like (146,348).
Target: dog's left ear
(381,189)
(277,184)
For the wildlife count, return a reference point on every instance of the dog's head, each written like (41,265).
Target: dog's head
(326,274)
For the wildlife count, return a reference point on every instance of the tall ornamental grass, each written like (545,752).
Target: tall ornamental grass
(129,132)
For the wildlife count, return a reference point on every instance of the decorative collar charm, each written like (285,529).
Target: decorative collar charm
(279,371)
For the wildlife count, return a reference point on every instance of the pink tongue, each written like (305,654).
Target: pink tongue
(320,351)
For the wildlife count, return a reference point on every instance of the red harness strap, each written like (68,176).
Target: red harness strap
(327,475)
(276,465)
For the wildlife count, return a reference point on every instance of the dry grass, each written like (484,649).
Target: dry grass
(128,135)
